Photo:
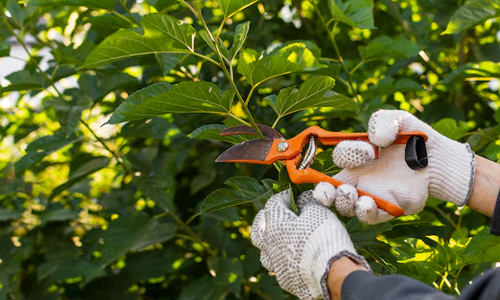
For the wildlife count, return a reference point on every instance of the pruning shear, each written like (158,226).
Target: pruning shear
(275,147)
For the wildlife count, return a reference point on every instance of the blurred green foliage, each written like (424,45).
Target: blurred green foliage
(140,210)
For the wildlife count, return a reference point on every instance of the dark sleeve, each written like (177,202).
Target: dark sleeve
(483,287)
(495,222)
(362,285)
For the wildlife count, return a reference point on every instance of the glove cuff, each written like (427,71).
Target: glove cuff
(318,257)
(451,171)
(324,284)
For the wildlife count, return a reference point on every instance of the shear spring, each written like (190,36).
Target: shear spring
(310,154)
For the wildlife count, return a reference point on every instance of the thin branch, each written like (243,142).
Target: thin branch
(191,233)
(230,79)
(124,5)
(103,143)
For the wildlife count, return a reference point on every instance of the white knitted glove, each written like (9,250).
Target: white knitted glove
(300,249)
(449,175)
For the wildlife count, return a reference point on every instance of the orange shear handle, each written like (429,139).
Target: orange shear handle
(310,175)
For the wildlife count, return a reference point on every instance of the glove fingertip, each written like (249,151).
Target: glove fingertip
(325,193)
(366,209)
(352,154)
(346,200)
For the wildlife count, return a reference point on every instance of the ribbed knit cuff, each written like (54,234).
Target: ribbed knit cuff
(451,169)
(358,258)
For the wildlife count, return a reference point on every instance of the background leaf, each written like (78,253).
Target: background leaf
(230,7)
(133,231)
(42,147)
(291,58)
(106,4)
(355,13)
(472,13)
(386,47)
(311,93)
(162,98)
(159,34)
(244,190)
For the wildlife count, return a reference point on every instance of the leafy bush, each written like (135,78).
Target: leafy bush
(139,209)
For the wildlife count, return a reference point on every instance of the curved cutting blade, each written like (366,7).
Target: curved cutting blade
(254,151)
(267,131)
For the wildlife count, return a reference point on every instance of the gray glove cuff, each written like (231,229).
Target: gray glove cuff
(358,258)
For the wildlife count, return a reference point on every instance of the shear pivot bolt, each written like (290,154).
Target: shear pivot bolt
(282,146)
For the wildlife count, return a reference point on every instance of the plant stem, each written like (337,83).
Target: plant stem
(240,120)
(124,5)
(191,233)
(32,60)
(341,60)
(206,58)
(230,79)
(276,122)
(331,34)
(103,143)
(442,213)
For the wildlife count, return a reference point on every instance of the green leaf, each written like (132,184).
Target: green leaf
(448,127)
(110,21)
(68,113)
(220,44)
(258,68)
(155,127)
(314,92)
(474,70)
(4,48)
(355,13)
(212,132)
(168,61)
(204,288)
(152,264)
(9,215)
(133,231)
(42,147)
(68,269)
(18,12)
(423,218)
(483,247)
(159,34)
(244,190)
(162,98)
(386,47)
(492,151)
(24,80)
(472,13)
(230,7)
(361,233)
(106,4)
(90,166)
(158,187)
(240,36)
(323,162)
(59,215)
(97,87)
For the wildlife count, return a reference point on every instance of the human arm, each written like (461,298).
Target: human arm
(486,186)
(345,278)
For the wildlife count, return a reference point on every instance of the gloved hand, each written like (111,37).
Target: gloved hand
(300,249)
(449,175)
